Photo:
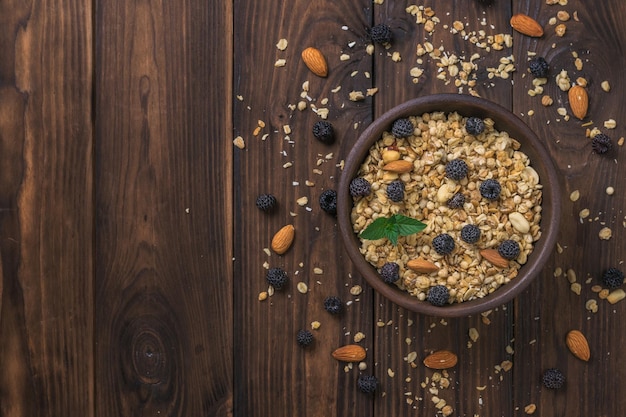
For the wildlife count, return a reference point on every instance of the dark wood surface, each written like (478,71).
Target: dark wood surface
(133,256)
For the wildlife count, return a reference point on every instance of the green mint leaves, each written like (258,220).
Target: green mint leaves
(392,228)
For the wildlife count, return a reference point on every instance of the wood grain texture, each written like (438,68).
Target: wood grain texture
(46,212)
(164,312)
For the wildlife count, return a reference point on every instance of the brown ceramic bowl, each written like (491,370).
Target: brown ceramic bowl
(504,120)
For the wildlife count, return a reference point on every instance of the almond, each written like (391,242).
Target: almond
(315,61)
(422,266)
(349,353)
(578,101)
(494,258)
(577,344)
(442,359)
(283,239)
(400,166)
(526,25)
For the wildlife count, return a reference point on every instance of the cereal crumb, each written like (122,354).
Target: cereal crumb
(356,96)
(302,287)
(315,325)
(239,142)
(359,336)
(605,233)
(280,62)
(574,195)
(606,87)
(530,409)
(282,44)
(610,190)
(263,296)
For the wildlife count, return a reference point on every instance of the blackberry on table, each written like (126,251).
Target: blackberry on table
(613,278)
(333,304)
(509,249)
(470,233)
(324,132)
(553,378)
(390,272)
(381,33)
(402,128)
(438,295)
(367,383)
(601,143)
(395,191)
(276,277)
(266,202)
(490,189)
(360,187)
(304,337)
(474,125)
(443,244)
(456,169)
(456,201)
(328,201)
(539,67)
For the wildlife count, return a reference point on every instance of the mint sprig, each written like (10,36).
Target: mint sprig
(392,228)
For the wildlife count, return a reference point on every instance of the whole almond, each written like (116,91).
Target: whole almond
(442,359)
(349,353)
(578,101)
(494,258)
(578,345)
(315,61)
(400,166)
(282,240)
(422,266)
(526,25)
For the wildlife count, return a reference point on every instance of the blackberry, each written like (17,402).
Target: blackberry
(613,278)
(456,169)
(509,249)
(328,201)
(367,383)
(390,272)
(402,128)
(538,67)
(490,189)
(470,233)
(395,191)
(276,277)
(381,33)
(304,337)
(324,131)
(438,295)
(601,143)
(443,244)
(474,125)
(456,201)
(333,305)
(266,202)
(360,187)
(553,378)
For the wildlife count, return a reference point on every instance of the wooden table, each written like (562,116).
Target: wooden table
(133,255)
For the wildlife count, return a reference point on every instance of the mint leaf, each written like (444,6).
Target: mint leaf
(392,228)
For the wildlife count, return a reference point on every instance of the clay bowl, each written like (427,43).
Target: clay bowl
(504,120)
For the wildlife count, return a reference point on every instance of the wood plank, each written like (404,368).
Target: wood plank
(164,208)
(46,212)
(273,375)
(550,309)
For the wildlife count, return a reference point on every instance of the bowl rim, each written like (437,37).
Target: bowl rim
(551,199)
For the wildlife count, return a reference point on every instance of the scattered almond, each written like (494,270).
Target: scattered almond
(282,240)
(349,353)
(315,61)
(400,166)
(422,266)
(577,344)
(494,258)
(526,25)
(442,359)
(578,101)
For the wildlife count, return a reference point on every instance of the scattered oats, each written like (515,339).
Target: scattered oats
(305,86)
(592,305)
(562,2)
(546,100)
(620,141)
(344,57)
(280,62)
(574,195)
(559,248)
(302,288)
(369,49)
(411,357)
(584,213)
(509,349)
(315,325)
(605,86)
(270,291)
(552,21)
(239,97)
(263,296)
(391,373)
(447,411)
(563,81)
(282,44)
(596,288)
(287,164)
(605,233)
(267,251)
(530,112)
(395,57)
(322,113)
(356,96)
(603,294)
(336,89)
(562,111)
(292,214)
(359,336)
(578,63)
(380,323)
(266,265)
(324,101)
(530,409)
(610,190)
(301,105)
(576,288)
(616,295)
(571,275)
(287,129)
(318,271)
(506,365)
(558,271)
(371,91)
(367,74)
(351,44)
(256,131)
(560,29)
(610,124)
(317,171)
(562,15)
(239,142)
(356,290)
(473,334)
